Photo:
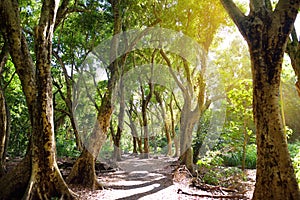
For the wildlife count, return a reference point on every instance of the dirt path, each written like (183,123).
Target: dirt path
(145,179)
(138,179)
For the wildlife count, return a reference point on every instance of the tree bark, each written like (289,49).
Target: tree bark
(187,123)
(266,32)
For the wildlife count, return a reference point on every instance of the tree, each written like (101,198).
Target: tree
(83,171)
(4,117)
(117,137)
(187,17)
(266,31)
(131,112)
(39,168)
(240,105)
(158,92)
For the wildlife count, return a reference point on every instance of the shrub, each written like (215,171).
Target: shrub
(211,159)
(295,155)
(251,156)
(234,159)
(294,149)
(65,144)
(210,170)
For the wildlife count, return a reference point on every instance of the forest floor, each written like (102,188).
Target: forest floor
(159,177)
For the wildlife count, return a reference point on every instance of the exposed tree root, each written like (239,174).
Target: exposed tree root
(14,183)
(42,186)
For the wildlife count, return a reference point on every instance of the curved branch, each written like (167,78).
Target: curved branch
(285,13)
(235,13)
(180,85)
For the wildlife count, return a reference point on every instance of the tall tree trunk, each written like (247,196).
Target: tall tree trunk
(189,115)
(173,129)
(164,117)
(4,132)
(187,123)
(133,129)
(46,180)
(134,143)
(121,115)
(267,31)
(145,127)
(83,171)
(274,166)
(4,117)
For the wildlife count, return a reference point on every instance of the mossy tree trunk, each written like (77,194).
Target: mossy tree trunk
(267,30)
